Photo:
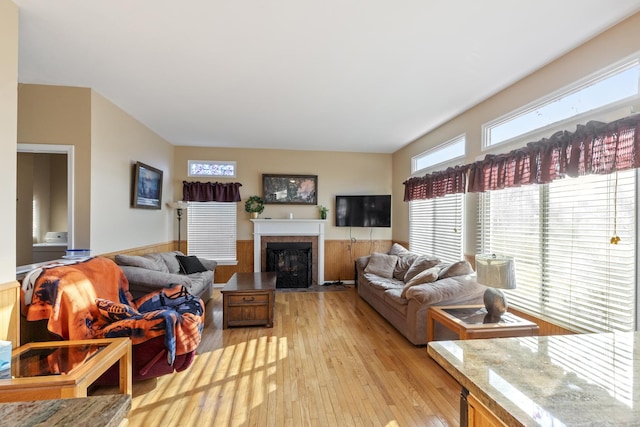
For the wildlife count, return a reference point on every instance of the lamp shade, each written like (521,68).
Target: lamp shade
(496,271)
(180,204)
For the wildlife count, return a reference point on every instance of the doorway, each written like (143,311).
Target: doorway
(44,207)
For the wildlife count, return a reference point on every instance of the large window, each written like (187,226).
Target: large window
(435,225)
(607,88)
(569,268)
(211,231)
(447,152)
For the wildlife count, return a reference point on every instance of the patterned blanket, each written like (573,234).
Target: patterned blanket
(91,299)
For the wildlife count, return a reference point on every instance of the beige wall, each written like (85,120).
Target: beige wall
(338,173)
(117,142)
(9,303)
(611,46)
(107,142)
(61,115)
(8,118)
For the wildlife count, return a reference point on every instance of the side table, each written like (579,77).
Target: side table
(248,299)
(64,369)
(467,321)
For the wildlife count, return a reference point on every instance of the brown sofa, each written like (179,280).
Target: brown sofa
(401,286)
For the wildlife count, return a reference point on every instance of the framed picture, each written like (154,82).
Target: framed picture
(147,187)
(290,189)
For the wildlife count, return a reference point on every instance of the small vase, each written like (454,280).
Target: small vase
(323,215)
(254,215)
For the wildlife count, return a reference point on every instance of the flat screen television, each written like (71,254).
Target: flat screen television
(363,211)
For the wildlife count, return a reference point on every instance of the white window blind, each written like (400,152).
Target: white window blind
(567,270)
(435,227)
(212,231)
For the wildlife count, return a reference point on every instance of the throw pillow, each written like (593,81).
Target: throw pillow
(398,249)
(381,265)
(423,262)
(114,311)
(426,276)
(190,264)
(459,268)
(404,263)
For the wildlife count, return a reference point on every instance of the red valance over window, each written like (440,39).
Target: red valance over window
(211,191)
(594,148)
(437,184)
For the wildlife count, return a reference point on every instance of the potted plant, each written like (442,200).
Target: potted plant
(323,211)
(254,205)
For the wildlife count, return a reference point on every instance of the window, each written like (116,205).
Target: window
(449,151)
(606,89)
(212,168)
(211,231)
(435,225)
(567,270)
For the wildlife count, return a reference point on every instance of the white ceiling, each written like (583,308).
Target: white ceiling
(340,75)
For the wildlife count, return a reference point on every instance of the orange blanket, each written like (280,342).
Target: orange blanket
(91,299)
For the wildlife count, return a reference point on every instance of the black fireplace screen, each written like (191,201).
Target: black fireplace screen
(291,262)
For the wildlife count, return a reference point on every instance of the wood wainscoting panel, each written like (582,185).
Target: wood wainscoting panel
(340,256)
(143,250)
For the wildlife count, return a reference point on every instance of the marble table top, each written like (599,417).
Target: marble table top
(561,380)
(92,411)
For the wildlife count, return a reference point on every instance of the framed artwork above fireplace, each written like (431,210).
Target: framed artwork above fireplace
(290,189)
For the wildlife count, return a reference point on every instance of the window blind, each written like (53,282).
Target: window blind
(435,227)
(567,270)
(212,231)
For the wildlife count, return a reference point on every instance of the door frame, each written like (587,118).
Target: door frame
(69,151)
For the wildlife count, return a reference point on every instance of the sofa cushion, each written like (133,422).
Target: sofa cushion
(405,262)
(190,264)
(170,260)
(138,261)
(423,262)
(383,282)
(459,268)
(395,298)
(381,265)
(454,290)
(426,276)
(398,249)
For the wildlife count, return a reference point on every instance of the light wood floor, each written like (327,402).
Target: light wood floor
(329,360)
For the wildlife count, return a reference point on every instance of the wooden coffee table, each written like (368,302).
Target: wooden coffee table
(64,369)
(468,322)
(248,300)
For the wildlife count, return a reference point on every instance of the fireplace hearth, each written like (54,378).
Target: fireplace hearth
(292,263)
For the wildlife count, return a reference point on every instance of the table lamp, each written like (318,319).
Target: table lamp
(179,206)
(495,271)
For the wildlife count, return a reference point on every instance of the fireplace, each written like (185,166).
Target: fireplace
(290,230)
(292,263)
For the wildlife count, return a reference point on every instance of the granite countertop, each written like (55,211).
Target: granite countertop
(93,411)
(561,380)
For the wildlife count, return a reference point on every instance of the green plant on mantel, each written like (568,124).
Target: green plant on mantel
(254,205)
(323,211)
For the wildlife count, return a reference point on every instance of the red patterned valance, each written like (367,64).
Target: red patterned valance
(211,191)
(594,148)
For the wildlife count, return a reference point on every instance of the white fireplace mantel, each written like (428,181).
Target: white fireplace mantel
(288,227)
